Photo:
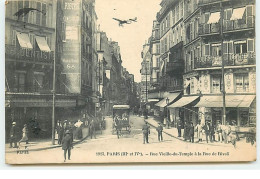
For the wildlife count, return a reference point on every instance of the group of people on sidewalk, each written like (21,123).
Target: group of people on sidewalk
(15,133)
(207,131)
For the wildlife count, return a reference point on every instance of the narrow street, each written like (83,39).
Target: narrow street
(130,147)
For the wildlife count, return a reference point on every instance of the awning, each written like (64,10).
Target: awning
(231,101)
(42,43)
(238,13)
(171,97)
(24,40)
(214,18)
(183,101)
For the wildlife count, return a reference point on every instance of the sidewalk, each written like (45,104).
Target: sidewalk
(44,144)
(173,132)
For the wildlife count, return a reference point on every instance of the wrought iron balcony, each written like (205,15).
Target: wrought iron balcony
(229,60)
(229,25)
(31,55)
(206,29)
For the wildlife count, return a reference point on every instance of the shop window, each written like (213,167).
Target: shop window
(242,83)
(216,84)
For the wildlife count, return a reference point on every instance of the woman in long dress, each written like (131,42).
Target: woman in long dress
(25,135)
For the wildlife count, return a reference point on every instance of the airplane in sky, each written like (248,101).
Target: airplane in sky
(122,22)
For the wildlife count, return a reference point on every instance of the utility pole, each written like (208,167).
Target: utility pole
(223,65)
(54,81)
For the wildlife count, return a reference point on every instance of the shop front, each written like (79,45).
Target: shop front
(161,106)
(35,110)
(184,110)
(240,110)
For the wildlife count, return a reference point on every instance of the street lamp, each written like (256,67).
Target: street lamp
(167,122)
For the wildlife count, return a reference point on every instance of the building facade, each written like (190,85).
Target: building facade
(30,52)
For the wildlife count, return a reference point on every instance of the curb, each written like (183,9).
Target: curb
(183,139)
(50,147)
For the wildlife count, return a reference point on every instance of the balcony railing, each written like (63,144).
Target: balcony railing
(205,29)
(33,55)
(229,60)
(229,25)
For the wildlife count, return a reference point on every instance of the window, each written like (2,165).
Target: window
(181,9)
(240,47)
(26,17)
(19,82)
(242,83)
(38,82)
(41,14)
(216,50)
(158,62)
(38,14)
(207,50)
(177,13)
(165,42)
(14,39)
(158,48)
(192,86)
(173,16)
(216,84)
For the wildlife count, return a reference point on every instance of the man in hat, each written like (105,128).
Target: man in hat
(67,144)
(146,132)
(92,129)
(179,126)
(13,135)
(159,130)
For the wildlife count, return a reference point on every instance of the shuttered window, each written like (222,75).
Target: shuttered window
(250,45)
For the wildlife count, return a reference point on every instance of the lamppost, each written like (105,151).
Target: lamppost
(167,122)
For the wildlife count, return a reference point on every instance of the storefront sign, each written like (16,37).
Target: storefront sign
(70,57)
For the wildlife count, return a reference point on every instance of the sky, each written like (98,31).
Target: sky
(131,37)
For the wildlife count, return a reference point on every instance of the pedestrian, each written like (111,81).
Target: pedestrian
(118,128)
(25,135)
(179,125)
(219,131)
(67,144)
(198,128)
(146,132)
(60,130)
(191,132)
(159,130)
(186,131)
(207,131)
(13,135)
(92,129)
(212,132)
(71,129)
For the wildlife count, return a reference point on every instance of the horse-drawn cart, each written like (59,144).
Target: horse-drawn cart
(121,121)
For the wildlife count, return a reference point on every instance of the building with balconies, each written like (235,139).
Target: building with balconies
(171,63)
(29,55)
(219,32)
